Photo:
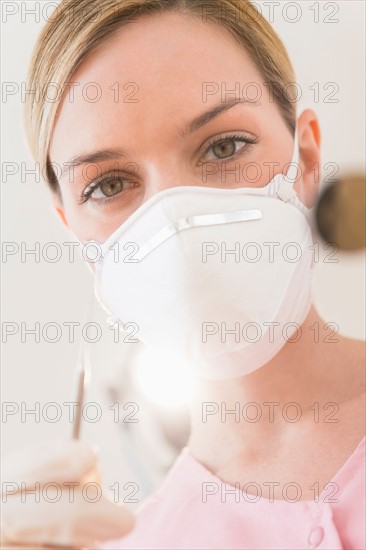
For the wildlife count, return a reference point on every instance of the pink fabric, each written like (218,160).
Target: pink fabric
(176,517)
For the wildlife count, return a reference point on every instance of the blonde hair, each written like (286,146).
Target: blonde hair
(78,26)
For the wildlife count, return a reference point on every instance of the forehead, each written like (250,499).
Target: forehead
(162,69)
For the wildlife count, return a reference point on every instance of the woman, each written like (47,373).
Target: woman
(182,110)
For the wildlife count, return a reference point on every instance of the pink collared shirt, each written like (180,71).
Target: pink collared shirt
(195,510)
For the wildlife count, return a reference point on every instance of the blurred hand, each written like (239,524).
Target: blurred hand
(45,501)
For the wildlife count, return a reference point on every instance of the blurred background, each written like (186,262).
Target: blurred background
(140,421)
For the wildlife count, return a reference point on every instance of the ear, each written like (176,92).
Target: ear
(58,206)
(309,146)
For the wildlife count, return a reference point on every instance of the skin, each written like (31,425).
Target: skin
(153,54)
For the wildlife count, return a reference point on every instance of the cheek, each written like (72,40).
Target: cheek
(92,222)
(85,222)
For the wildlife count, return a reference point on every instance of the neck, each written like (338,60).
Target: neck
(250,411)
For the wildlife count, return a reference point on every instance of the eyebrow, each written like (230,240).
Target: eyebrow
(195,124)
(92,158)
(204,118)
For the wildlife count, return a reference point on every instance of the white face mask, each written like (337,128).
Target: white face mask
(220,278)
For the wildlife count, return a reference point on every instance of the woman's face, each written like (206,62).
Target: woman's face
(180,103)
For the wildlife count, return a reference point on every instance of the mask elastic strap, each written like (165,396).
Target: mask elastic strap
(286,188)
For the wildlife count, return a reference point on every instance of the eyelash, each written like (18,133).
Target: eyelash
(249,140)
(89,190)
